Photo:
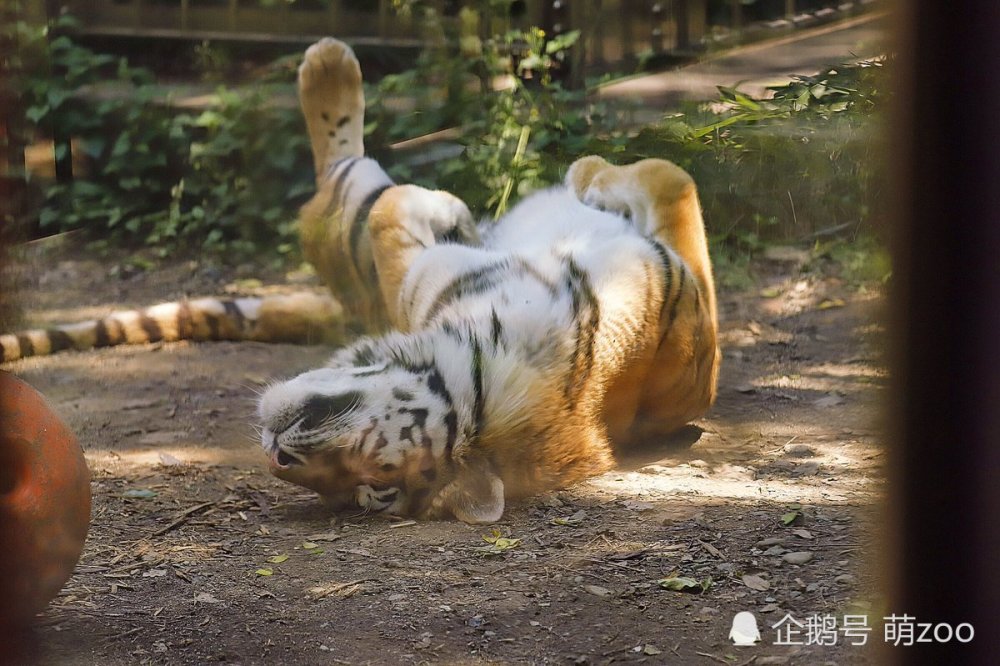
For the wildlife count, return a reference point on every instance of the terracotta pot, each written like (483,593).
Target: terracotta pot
(44,502)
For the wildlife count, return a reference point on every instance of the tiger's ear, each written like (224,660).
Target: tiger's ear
(476,496)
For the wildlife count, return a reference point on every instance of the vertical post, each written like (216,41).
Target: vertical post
(383,18)
(626,37)
(12,174)
(233,7)
(736,20)
(597,34)
(682,21)
(333,18)
(945,357)
(63,149)
(656,29)
(789,9)
(185,7)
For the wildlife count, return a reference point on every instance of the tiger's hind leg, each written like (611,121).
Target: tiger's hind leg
(333,103)
(354,192)
(406,221)
(677,373)
(333,224)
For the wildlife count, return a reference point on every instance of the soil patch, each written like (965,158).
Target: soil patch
(197,555)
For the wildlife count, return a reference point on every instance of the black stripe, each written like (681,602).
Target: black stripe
(402,394)
(436,385)
(25,345)
(668,272)
(185,323)
(151,328)
(59,340)
(451,423)
(363,356)
(234,312)
(586,314)
(453,235)
(213,325)
(338,185)
(680,292)
(343,121)
(479,403)
(102,337)
(474,281)
(496,328)
(359,223)
(388,497)
(533,272)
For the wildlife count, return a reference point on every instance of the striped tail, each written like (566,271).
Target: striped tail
(302,317)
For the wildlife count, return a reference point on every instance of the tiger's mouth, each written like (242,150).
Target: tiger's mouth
(281,459)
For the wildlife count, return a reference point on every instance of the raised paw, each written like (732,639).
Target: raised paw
(333,102)
(601,185)
(431,216)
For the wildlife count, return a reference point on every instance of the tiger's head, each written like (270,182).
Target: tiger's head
(379,438)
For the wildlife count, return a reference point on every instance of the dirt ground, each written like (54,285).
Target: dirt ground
(197,555)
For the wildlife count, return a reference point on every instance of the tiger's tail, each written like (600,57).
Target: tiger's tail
(302,317)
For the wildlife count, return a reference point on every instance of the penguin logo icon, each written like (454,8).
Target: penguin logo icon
(744,631)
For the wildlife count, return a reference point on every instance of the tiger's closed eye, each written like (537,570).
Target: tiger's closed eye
(319,410)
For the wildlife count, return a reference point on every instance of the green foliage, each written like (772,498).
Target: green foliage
(227,178)
(801,165)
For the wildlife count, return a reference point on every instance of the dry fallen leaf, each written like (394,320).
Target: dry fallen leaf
(325,536)
(277,559)
(756,582)
(684,584)
(343,590)
(169,461)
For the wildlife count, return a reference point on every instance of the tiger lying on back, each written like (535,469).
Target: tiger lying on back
(523,351)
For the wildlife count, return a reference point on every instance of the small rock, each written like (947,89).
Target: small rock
(797,557)
(770,541)
(787,254)
(770,661)
(845,579)
(775,550)
(597,590)
(755,582)
(829,401)
(708,610)
(799,451)
(806,469)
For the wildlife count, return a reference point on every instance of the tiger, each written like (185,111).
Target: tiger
(300,317)
(516,356)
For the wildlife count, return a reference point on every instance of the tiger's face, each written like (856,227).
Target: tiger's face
(374,438)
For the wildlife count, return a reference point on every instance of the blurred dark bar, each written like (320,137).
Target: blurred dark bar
(946,322)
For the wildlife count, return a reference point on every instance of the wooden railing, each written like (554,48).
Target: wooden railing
(612,30)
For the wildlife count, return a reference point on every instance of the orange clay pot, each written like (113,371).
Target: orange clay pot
(44,502)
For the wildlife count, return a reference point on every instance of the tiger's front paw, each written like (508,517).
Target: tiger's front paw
(427,216)
(599,184)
